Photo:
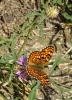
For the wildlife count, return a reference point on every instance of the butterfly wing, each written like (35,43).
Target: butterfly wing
(35,59)
(46,54)
(39,74)
(36,62)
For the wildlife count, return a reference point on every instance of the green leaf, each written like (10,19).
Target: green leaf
(69,7)
(58,2)
(25,53)
(16,85)
(4,41)
(68,17)
(32,94)
(11,74)
(42,19)
(42,2)
(41,31)
(32,14)
(66,2)
(55,1)
(45,5)
(56,62)
(6,58)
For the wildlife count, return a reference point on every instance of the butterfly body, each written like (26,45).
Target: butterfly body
(37,61)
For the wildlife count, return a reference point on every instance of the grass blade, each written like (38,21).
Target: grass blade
(32,94)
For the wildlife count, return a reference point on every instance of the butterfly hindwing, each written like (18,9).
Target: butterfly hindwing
(39,74)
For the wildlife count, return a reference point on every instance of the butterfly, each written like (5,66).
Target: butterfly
(37,62)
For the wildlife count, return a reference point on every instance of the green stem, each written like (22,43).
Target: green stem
(32,27)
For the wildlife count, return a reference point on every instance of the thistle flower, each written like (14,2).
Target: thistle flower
(52,12)
(22,61)
(22,73)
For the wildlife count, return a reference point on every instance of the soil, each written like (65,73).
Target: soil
(12,13)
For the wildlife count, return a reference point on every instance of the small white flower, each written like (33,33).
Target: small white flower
(52,12)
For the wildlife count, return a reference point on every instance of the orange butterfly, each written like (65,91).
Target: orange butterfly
(37,60)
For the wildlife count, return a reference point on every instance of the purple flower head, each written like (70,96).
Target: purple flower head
(22,73)
(22,61)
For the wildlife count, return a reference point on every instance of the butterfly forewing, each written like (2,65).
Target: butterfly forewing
(34,58)
(46,55)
